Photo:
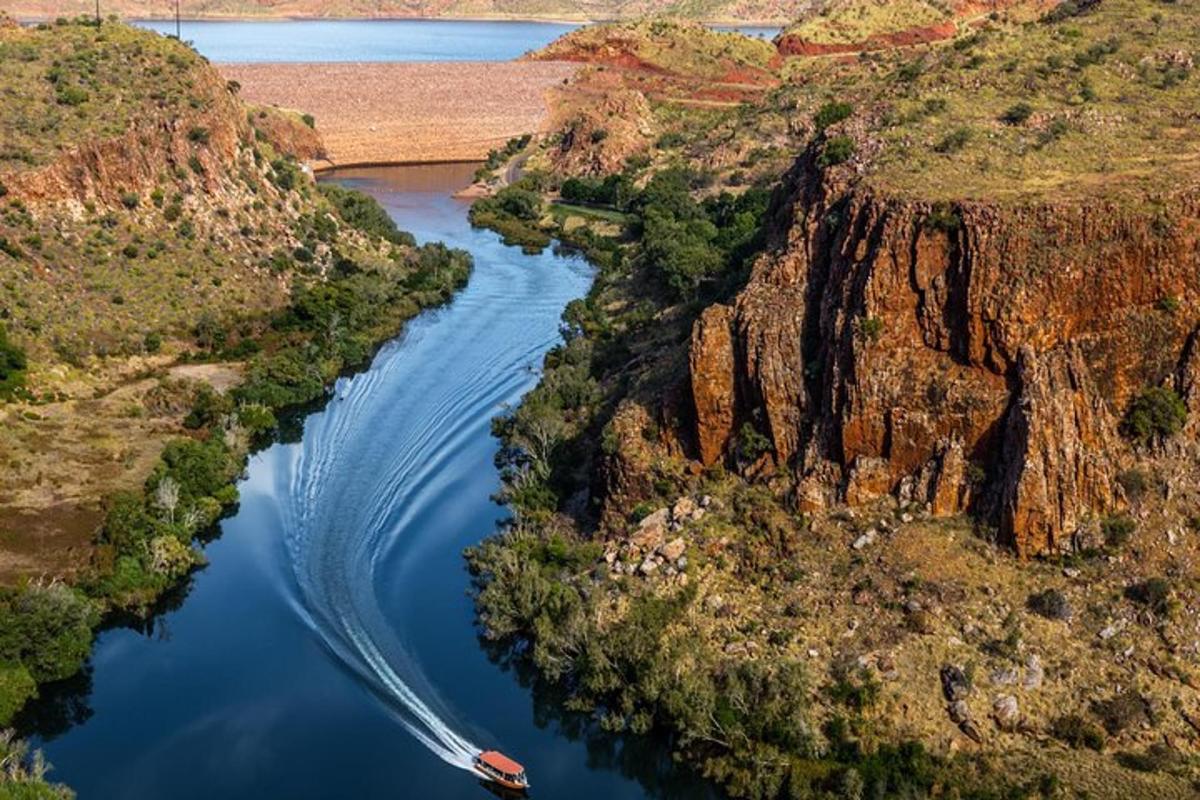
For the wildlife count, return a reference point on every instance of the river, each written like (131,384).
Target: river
(328,650)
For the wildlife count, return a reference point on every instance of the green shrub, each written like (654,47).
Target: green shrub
(198,135)
(1121,711)
(1153,416)
(838,150)
(1117,529)
(47,629)
(1018,114)
(130,200)
(363,212)
(954,141)
(208,408)
(1158,757)
(16,687)
(309,120)
(12,367)
(870,328)
(257,418)
(1154,593)
(831,114)
(71,95)
(1051,604)
(201,469)
(1136,483)
(751,444)
(1077,732)
(520,203)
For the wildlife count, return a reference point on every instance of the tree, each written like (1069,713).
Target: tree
(166,497)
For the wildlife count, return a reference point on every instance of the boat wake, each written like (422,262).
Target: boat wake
(385,453)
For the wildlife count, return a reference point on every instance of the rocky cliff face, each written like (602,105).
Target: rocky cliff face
(973,356)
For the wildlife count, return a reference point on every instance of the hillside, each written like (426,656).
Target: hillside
(725,11)
(170,278)
(882,411)
(849,26)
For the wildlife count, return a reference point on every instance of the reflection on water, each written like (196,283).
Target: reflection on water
(342,569)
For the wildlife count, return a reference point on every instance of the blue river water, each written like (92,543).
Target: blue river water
(328,650)
(237,41)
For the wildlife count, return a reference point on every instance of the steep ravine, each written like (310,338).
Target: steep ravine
(974,356)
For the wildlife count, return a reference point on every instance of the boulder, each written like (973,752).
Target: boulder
(651,531)
(1006,712)
(673,549)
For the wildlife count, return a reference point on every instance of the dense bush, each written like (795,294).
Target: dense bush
(1077,732)
(45,635)
(1051,604)
(1017,114)
(954,141)
(12,367)
(1154,593)
(1117,529)
(613,190)
(47,629)
(831,114)
(520,203)
(837,150)
(689,243)
(1154,415)
(363,212)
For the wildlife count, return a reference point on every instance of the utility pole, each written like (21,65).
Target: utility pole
(97,13)
(177,36)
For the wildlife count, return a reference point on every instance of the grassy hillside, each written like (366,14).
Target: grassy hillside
(685,50)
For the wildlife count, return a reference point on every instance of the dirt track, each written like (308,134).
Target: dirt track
(400,113)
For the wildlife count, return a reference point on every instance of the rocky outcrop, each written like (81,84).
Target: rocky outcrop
(1188,382)
(200,142)
(598,137)
(712,367)
(1058,451)
(970,356)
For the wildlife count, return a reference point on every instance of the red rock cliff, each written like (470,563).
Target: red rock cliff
(975,356)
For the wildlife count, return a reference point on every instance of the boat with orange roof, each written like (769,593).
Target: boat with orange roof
(502,770)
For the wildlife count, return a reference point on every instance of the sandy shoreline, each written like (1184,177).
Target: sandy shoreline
(407,113)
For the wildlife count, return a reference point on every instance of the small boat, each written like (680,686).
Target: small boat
(501,770)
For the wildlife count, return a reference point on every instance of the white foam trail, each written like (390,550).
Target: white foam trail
(374,460)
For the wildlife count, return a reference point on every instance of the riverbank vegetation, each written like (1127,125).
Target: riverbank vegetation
(146,544)
(160,315)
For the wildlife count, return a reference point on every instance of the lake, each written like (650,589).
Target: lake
(372,40)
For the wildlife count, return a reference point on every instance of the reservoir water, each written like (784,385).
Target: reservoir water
(328,650)
(239,41)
